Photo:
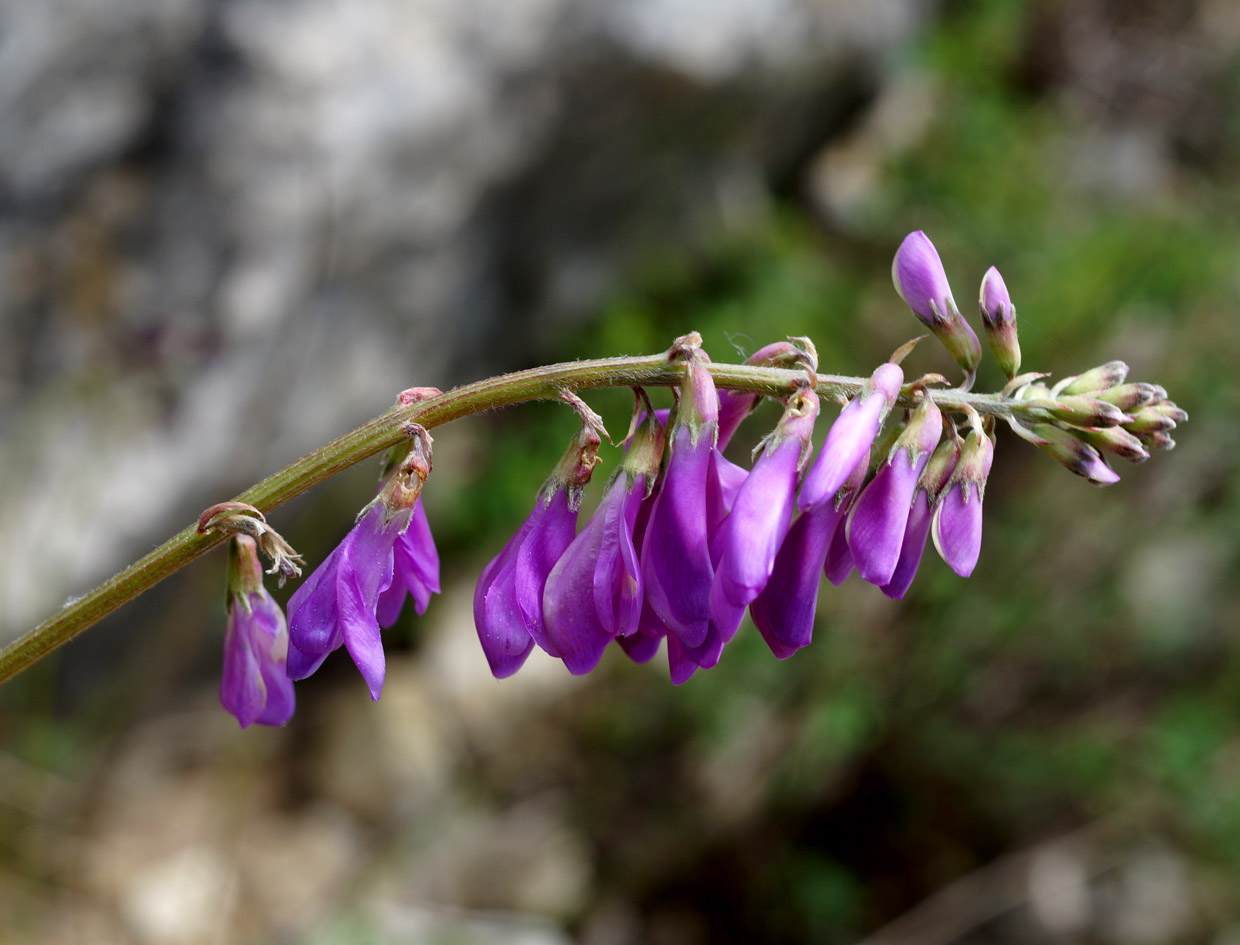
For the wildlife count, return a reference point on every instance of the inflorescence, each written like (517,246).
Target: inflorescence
(685,541)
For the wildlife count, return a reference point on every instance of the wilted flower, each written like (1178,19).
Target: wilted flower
(876,524)
(254,686)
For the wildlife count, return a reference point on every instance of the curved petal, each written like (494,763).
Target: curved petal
(957,527)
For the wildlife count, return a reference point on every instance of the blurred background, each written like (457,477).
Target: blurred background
(232,229)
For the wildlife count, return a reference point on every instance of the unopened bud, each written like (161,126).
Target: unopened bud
(1169,410)
(1078,457)
(1085,411)
(1146,420)
(1158,440)
(1096,379)
(999,320)
(1114,440)
(1128,397)
(918,275)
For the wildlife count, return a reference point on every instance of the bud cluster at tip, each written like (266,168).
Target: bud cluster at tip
(1083,419)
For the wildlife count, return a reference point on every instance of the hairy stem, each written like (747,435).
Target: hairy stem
(387,430)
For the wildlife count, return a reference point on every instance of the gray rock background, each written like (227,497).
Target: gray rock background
(231,230)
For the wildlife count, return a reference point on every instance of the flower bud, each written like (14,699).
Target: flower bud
(918,275)
(1096,379)
(1115,440)
(1128,397)
(1085,411)
(1078,457)
(1148,420)
(1158,440)
(999,320)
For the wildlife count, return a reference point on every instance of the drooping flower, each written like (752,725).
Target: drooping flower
(918,275)
(508,601)
(851,436)
(675,556)
(784,610)
(957,523)
(254,686)
(917,529)
(595,592)
(338,604)
(750,537)
(876,525)
(415,569)
(999,321)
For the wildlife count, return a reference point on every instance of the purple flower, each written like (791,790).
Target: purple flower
(935,476)
(336,605)
(784,610)
(675,556)
(415,569)
(999,320)
(851,436)
(839,563)
(254,686)
(750,537)
(876,523)
(957,524)
(918,275)
(508,602)
(594,593)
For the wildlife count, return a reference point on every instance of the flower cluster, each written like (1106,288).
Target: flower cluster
(684,541)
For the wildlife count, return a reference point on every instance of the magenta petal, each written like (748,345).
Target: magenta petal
(313,623)
(723,484)
(875,527)
(675,557)
(784,611)
(242,691)
(913,545)
(640,647)
(957,527)
(501,631)
(618,589)
(570,618)
(415,569)
(839,562)
(756,527)
(508,598)
(848,440)
(554,530)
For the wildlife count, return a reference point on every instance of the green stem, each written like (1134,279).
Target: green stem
(385,431)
